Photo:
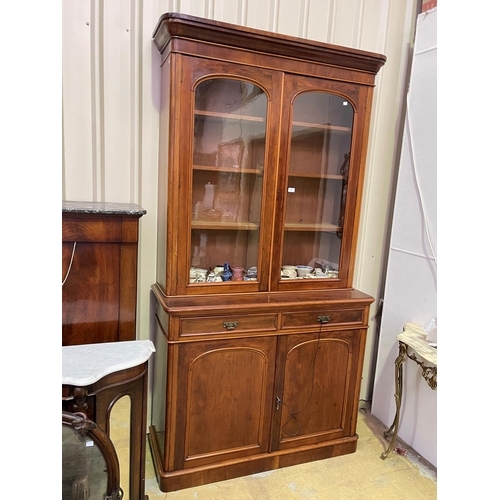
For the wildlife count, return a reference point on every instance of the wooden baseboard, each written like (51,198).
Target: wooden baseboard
(197,476)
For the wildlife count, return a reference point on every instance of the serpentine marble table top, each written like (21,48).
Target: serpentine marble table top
(85,364)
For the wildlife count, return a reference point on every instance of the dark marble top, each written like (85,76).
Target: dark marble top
(102,207)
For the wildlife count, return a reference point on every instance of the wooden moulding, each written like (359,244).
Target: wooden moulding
(175,25)
(197,476)
(261,302)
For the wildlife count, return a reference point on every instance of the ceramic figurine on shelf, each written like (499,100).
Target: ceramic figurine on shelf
(226,274)
(325,265)
(237,274)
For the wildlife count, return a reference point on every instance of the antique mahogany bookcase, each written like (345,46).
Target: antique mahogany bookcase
(260,336)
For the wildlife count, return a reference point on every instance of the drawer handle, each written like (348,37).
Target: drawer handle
(324,319)
(230,325)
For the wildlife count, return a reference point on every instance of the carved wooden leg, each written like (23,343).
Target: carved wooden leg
(398,376)
(80,405)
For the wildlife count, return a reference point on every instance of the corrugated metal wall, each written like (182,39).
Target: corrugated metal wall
(111,101)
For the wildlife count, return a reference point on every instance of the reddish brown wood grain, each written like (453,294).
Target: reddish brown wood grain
(100,292)
(256,375)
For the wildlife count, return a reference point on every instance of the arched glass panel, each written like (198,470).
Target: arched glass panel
(317,185)
(228,163)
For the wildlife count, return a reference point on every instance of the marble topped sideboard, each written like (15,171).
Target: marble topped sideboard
(94,378)
(99,271)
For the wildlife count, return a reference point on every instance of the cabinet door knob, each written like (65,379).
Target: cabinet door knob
(323,319)
(230,325)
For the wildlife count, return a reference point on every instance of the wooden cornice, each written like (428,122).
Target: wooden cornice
(175,25)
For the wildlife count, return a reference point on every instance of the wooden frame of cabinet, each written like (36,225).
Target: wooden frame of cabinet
(230,374)
(240,363)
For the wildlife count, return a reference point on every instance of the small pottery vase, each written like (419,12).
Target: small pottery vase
(237,273)
(226,274)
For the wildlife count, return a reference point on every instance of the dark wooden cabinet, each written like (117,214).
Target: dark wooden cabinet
(99,271)
(260,336)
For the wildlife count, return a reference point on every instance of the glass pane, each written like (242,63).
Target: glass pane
(317,185)
(84,471)
(228,163)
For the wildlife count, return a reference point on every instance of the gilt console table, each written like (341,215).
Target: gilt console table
(412,345)
(95,377)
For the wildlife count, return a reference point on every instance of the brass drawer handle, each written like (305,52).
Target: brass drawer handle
(324,319)
(230,325)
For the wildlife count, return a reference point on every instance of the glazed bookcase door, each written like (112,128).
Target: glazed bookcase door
(231,175)
(320,160)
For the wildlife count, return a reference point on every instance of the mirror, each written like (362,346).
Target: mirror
(89,460)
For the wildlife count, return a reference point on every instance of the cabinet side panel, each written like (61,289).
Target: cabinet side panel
(161,257)
(159,391)
(358,165)
(91,293)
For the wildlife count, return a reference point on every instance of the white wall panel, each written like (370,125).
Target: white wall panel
(117,100)
(319,21)
(193,7)
(291,17)
(411,288)
(374,23)
(346,22)
(230,11)
(265,17)
(111,84)
(77,101)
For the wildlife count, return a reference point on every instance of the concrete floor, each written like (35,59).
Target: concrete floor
(362,475)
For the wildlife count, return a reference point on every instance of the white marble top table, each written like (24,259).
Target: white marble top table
(415,337)
(87,363)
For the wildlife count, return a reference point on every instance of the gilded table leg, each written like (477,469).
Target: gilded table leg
(398,375)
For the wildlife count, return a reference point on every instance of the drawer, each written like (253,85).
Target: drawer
(92,230)
(227,324)
(311,319)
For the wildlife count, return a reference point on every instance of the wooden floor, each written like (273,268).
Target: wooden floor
(361,476)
